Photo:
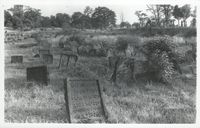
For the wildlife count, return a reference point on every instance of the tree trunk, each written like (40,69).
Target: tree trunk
(178,22)
(114,74)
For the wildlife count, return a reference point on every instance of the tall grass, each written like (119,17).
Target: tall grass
(128,102)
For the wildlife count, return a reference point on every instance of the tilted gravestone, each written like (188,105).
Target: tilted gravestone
(83,101)
(37,74)
(16,59)
(47,58)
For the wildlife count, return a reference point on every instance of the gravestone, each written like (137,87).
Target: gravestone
(47,58)
(16,59)
(83,101)
(44,51)
(37,74)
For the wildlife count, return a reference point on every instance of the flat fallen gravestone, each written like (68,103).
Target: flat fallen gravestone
(47,58)
(37,74)
(16,59)
(83,101)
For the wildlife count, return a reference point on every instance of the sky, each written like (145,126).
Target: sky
(51,8)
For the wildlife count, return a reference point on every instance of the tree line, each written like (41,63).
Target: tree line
(165,16)
(25,17)
(21,17)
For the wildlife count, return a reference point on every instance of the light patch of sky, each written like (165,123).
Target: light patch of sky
(128,11)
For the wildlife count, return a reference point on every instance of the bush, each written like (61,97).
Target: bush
(123,42)
(77,38)
(161,58)
(190,33)
(171,31)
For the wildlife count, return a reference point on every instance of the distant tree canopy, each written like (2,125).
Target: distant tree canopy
(125,25)
(164,15)
(103,18)
(23,17)
(177,14)
(62,18)
(7,19)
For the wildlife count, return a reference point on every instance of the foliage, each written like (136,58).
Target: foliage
(156,11)
(123,42)
(142,17)
(45,21)
(125,25)
(161,58)
(34,16)
(103,17)
(62,18)
(186,13)
(88,11)
(77,38)
(177,13)
(7,19)
(17,22)
(167,11)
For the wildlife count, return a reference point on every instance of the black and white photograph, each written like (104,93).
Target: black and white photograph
(100,63)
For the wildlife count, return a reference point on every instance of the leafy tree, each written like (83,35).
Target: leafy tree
(33,15)
(161,58)
(136,25)
(45,22)
(142,17)
(156,10)
(7,19)
(62,18)
(88,11)
(194,14)
(177,13)
(86,21)
(125,25)
(77,20)
(17,16)
(186,13)
(17,22)
(53,21)
(103,18)
(167,11)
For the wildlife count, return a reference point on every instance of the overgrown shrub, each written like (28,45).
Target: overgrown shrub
(161,58)
(124,41)
(77,38)
(190,33)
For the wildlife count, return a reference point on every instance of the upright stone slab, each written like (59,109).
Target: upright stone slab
(44,51)
(16,59)
(83,101)
(47,58)
(37,74)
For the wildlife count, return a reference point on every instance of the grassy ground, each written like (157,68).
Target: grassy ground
(140,102)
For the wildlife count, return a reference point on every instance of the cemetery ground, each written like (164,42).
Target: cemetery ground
(137,102)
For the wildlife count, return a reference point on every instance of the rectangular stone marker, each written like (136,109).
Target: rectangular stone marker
(47,58)
(83,101)
(44,51)
(16,59)
(37,74)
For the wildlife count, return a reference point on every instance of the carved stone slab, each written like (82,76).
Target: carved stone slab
(47,58)
(37,74)
(44,51)
(16,59)
(83,101)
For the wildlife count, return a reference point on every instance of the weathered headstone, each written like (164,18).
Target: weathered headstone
(83,101)
(47,58)
(68,55)
(16,59)
(44,51)
(37,74)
